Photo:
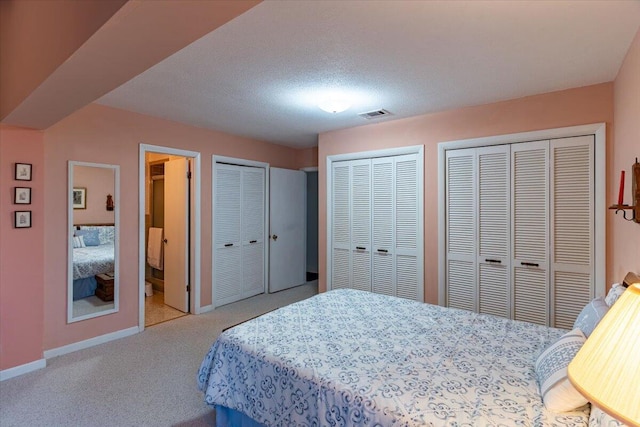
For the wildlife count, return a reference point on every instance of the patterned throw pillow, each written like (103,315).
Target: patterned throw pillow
(90,237)
(558,394)
(78,242)
(591,315)
(614,293)
(599,418)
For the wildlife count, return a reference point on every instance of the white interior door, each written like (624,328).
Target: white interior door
(287,225)
(176,249)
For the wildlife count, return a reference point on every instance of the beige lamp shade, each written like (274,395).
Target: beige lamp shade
(606,370)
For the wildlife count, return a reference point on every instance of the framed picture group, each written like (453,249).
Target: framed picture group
(22,195)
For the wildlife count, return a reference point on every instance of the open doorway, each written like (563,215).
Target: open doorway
(169,251)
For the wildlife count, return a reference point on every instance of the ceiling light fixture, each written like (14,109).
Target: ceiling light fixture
(334,105)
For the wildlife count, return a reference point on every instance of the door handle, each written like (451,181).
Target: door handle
(497,261)
(253,241)
(360,248)
(530,264)
(384,251)
(226,245)
(165,241)
(274,237)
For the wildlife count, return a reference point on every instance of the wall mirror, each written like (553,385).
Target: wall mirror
(93,225)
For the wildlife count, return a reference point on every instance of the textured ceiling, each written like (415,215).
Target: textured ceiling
(262,74)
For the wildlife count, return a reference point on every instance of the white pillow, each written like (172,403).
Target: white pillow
(558,394)
(78,242)
(590,316)
(614,293)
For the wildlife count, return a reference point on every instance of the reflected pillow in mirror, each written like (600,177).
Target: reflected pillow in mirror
(90,237)
(78,242)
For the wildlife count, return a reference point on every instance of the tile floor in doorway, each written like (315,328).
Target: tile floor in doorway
(155,310)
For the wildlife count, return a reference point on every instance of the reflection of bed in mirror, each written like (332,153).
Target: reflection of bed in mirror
(93,254)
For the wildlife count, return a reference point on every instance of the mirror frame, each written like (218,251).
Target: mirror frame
(116,241)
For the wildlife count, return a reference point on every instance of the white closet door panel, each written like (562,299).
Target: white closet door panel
(494,290)
(361,204)
(407,282)
(460,294)
(530,202)
(341,206)
(361,273)
(460,206)
(253,194)
(227,215)
(572,207)
(531,295)
(493,202)
(252,269)
(406,201)
(383,280)
(341,267)
(383,206)
(228,275)
(572,291)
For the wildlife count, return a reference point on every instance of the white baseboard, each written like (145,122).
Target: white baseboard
(48,354)
(206,309)
(22,369)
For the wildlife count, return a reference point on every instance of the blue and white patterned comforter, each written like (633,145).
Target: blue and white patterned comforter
(92,260)
(353,358)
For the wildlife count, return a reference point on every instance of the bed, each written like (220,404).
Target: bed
(354,358)
(96,257)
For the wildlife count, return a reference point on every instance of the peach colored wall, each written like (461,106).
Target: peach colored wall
(624,236)
(308,157)
(21,251)
(99,182)
(592,104)
(53,29)
(106,135)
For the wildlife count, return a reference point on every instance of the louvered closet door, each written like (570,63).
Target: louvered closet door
(253,194)
(361,224)
(341,225)
(572,213)
(461,209)
(530,231)
(227,233)
(408,282)
(494,230)
(382,233)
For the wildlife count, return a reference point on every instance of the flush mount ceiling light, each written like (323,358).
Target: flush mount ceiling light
(334,105)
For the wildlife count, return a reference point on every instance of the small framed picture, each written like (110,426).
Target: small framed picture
(79,198)
(22,196)
(23,172)
(22,219)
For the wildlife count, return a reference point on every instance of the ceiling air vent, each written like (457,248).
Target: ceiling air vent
(374,114)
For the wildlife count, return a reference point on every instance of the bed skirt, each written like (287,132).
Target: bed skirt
(226,417)
(83,288)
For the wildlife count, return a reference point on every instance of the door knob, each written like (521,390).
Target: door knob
(165,240)
(274,237)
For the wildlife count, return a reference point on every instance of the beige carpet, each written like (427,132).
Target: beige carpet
(148,379)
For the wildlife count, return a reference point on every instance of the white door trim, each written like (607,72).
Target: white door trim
(597,129)
(194,295)
(412,149)
(240,162)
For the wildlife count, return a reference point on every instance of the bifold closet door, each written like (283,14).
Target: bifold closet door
(405,221)
(341,225)
(572,212)
(461,207)
(494,230)
(239,233)
(361,224)
(227,268)
(530,230)
(383,218)
(253,220)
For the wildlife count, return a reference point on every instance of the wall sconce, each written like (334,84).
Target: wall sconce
(110,203)
(635,195)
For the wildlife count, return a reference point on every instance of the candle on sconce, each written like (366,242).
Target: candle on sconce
(621,193)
